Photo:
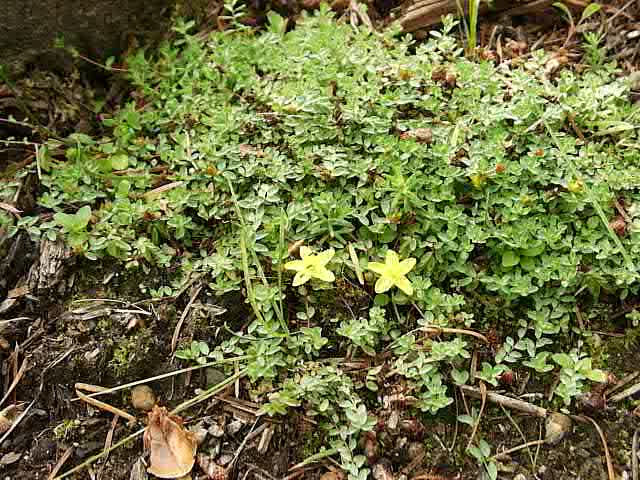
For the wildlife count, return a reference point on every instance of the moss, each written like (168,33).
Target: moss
(129,352)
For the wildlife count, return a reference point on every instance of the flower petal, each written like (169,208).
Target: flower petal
(300,279)
(296,265)
(324,274)
(305,251)
(326,256)
(377,267)
(383,284)
(407,265)
(392,258)
(404,284)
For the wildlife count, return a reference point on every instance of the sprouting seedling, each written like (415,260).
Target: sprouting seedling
(311,265)
(393,273)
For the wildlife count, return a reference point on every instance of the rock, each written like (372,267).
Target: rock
(199,433)
(558,425)
(382,471)
(216,430)
(234,426)
(143,398)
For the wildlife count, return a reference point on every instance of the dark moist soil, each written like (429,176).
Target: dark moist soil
(63,340)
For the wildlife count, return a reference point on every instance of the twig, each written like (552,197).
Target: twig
(634,455)
(65,456)
(607,455)
(632,390)
(185,312)
(98,456)
(508,402)
(506,453)
(439,330)
(18,420)
(621,383)
(16,380)
(614,16)
(232,464)
(314,458)
(105,406)
(108,441)
(524,438)
(483,393)
(160,377)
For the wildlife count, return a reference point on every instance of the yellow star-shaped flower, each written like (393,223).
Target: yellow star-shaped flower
(393,272)
(312,265)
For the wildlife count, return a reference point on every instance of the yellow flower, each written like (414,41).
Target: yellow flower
(312,265)
(393,272)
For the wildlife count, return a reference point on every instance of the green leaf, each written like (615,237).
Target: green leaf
(277,24)
(563,360)
(596,375)
(533,251)
(492,470)
(74,223)
(468,419)
(459,376)
(119,161)
(565,9)
(510,259)
(590,10)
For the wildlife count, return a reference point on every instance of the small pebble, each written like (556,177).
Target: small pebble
(216,430)
(199,433)
(557,427)
(143,398)
(234,426)
(224,459)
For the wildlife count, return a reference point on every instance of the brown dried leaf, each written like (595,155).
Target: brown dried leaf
(9,415)
(10,208)
(173,449)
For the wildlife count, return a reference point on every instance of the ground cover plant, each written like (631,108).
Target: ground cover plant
(398,217)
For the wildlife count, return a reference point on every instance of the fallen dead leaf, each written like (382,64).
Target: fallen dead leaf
(10,208)
(173,449)
(9,458)
(8,415)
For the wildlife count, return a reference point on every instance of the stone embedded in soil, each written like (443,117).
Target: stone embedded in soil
(199,433)
(382,471)
(216,430)
(557,427)
(234,426)
(143,398)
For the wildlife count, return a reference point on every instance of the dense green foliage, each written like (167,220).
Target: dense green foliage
(501,182)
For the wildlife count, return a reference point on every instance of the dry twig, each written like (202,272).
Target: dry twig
(508,402)
(607,455)
(634,455)
(187,309)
